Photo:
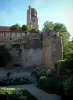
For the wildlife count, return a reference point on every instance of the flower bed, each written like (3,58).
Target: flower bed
(16,81)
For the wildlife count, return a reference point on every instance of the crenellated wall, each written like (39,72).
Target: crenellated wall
(36,52)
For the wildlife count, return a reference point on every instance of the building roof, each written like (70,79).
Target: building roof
(9,31)
(4,28)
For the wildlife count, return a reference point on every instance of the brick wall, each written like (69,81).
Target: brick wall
(4,28)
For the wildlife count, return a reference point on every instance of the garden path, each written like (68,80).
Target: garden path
(38,93)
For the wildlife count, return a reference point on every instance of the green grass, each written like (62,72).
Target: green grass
(3,91)
(12,95)
(27,94)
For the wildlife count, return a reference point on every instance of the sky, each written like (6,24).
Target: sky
(15,11)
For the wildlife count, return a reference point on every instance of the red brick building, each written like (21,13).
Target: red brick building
(32,18)
(4,28)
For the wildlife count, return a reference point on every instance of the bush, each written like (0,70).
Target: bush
(19,81)
(61,83)
(51,73)
(42,82)
(16,81)
(2,83)
(42,73)
(42,79)
(66,67)
(51,84)
(34,73)
(8,75)
(68,86)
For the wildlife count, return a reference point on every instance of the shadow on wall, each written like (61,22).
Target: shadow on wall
(34,43)
(32,53)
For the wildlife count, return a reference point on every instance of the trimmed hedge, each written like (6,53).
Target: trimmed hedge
(16,81)
(51,84)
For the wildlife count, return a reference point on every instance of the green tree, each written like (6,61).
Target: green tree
(49,25)
(15,27)
(68,50)
(25,28)
(61,30)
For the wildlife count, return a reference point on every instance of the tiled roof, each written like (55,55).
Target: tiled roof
(9,31)
(4,28)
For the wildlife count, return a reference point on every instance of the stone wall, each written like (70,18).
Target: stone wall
(56,48)
(31,57)
(47,52)
(14,52)
(52,50)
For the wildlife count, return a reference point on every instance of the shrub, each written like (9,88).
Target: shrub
(16,81)
(51,84)
(66,67)
(68,86)
(8,74)
(34,73)
(42,79)
(51,73)
(42,82)
(2,83)
(42,73)
(19,81)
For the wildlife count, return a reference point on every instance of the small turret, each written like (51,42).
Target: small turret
(29,7)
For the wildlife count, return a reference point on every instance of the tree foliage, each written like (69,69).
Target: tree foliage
(60,30)
(66,71)
(25,28)
(68,49)
(49,25)
(15,27)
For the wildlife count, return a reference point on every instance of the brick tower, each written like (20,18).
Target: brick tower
(52,49)
(32,19)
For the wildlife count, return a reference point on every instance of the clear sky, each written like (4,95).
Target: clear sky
(15,11)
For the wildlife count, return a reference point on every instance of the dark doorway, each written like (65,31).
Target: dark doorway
(56,67)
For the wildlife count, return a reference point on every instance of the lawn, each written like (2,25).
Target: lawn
(16,94)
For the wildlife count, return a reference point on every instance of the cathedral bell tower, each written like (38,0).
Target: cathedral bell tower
(32,19)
